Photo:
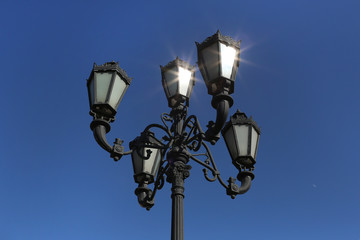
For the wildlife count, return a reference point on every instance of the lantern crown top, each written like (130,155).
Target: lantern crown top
(112,66)
(178,62)
(227,40)
(240,118)
(145,138)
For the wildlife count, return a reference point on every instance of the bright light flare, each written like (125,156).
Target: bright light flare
(184,80)
(228,55)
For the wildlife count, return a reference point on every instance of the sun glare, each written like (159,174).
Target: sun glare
(227,60)
(184,80)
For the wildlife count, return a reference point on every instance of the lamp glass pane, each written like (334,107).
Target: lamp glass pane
(156,163)
(103,80)
(231,142)
(117,91)
(184,80)
(242,135)
(254,140)
(228,54)
(191,85)
(91,90)
(137,162)
(171,76)
(211,61)
(149,163)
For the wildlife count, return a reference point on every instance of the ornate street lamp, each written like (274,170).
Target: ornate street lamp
(218,60)
(241,136)
(182,139)
(146,157)
(178,79)
(107,85)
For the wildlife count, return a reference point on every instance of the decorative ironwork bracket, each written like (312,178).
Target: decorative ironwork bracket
(184,133)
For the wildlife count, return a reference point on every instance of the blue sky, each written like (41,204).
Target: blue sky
(299,79)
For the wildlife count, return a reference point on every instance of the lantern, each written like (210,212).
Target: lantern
(218,61)
(178,79)
(241,136)
(107,85)
(145,158)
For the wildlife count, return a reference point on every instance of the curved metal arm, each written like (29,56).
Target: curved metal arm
(222,103)
(197,124)
(100,137)
(100,127)
(207,166)
(198,134)
(154,125)
(165,117)
(245,184)
(232,189)
(213,179)
(222,112)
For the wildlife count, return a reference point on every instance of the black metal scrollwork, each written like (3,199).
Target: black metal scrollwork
(184,133)
(192,137)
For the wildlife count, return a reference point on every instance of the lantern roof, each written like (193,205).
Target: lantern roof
(177,62)
(112,66)
(144,138)
(227,40)
(240,118)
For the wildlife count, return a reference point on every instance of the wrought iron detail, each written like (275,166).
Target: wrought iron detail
(218,37)
(183,140)
(112,66)
(241,118)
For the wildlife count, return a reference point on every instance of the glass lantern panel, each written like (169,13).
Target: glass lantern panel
(91,90)
(149,163)
(103,80)
(117,91)
(137,162)
(254,141)
(184,80)
(228,54)
(156,163)
(191,85)
(231,142)
(211,61)
(171,78)
(242,135)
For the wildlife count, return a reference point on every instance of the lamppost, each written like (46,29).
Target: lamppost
(153,157)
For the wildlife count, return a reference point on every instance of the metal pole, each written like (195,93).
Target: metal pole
(176,175)
(177,214)
(178,171)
